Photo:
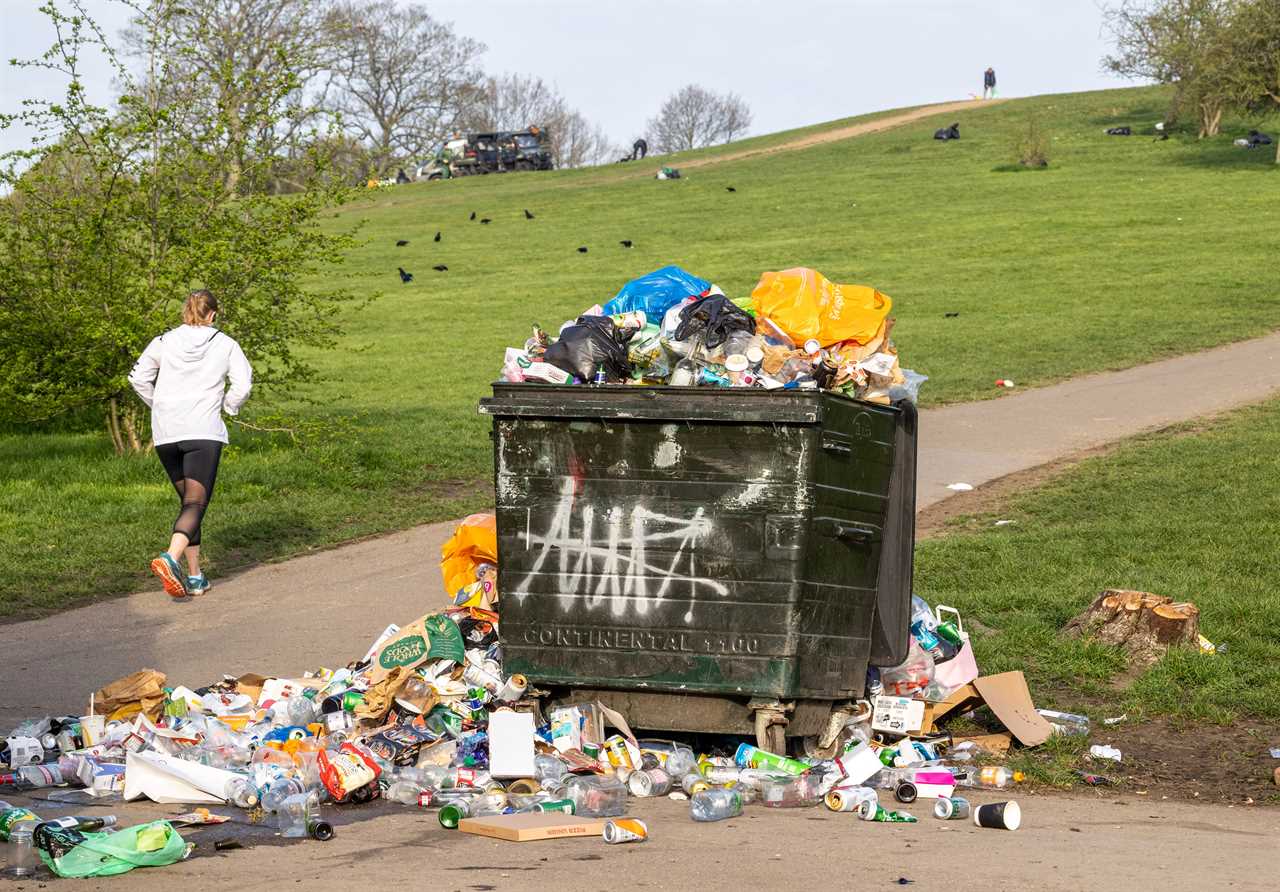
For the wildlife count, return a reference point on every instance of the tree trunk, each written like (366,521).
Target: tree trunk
(1210,118)
(1145,625)
(130,419)
(113,425)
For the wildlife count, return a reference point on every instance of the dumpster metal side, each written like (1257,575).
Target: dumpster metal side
(737,543)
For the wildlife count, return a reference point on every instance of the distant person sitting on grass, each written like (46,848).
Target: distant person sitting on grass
(182,376)
(989,83)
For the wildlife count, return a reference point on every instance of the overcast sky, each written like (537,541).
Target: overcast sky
(795,62)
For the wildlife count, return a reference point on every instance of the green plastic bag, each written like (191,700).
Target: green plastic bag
(107,854)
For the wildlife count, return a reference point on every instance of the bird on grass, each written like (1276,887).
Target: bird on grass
(404,276)
(437,238)
(730,189)
(626,243)
(440,268)
(951,315)
(582,250)
(527,215)
(402,243)
(473,215)
(485,220)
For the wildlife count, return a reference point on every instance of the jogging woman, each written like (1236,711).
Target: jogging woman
(182,376)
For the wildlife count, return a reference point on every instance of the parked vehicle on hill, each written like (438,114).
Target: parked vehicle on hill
(480,153)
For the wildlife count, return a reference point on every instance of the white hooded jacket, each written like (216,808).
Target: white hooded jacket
(182,376)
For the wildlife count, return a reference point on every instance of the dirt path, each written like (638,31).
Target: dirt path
(888,122)
(323,608)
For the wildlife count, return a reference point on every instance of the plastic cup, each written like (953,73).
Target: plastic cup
(22,858)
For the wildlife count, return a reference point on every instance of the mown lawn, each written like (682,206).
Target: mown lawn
(1123,251)
(1190,513)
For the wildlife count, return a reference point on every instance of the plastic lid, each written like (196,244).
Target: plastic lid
(755,355)
(736,362)
(812,346)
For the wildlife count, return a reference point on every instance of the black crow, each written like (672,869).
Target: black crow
(730,189)
(404,276)
(402,243)
(473,215)
(485,220)
(437,238)
(527,215)
(952,315)
(626,243)
(582,250)
(440,268)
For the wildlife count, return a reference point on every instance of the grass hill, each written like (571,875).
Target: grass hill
(1121,251)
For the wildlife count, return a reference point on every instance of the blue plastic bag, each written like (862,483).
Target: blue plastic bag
(656,293)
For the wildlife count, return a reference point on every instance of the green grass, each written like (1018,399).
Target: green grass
(1191,514)
(1123,251)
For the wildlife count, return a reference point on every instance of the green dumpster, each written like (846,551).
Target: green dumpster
(703,559)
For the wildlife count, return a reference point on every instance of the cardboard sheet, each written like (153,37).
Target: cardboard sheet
(1009,699)
(522,828)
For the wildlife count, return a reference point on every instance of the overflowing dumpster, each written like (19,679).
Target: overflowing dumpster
(703,559)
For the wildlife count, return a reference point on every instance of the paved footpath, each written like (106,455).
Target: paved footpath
(321,608)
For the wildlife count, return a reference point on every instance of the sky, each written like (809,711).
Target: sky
(795,62)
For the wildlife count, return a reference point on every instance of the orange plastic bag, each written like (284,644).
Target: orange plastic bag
(805,304)
(475,542)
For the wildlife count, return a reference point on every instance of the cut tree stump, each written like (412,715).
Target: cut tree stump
(1145,625)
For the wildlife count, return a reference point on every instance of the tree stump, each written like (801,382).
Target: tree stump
(1145,625)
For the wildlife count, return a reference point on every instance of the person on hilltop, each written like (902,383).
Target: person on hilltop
(989,83)
(639,149)
(182,376)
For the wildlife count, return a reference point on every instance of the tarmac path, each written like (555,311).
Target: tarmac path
(323,608)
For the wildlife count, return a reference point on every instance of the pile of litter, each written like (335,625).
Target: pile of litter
(427,718)
(796,330)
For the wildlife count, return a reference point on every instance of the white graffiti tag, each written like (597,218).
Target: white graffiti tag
(633,562)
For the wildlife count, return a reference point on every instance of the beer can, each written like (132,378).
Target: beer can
(616,751)
(556,805)
(849,799)
(953,808)
(622,830)
(649,782)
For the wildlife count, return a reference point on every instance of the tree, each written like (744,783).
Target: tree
(1178,42)
(106,227)
(516,101)
(229,61)
(403,78)
(1253,79)
(694,117)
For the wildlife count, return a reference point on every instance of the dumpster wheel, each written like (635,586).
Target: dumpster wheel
(771,724)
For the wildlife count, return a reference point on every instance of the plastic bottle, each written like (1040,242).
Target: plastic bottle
(1067,723)
(749,756)
(279,790)
(240,792)
(597,796)
(301,711)
(31,777)
(715,805)
(685,373)
(989,777)
(407,793)
(680,762)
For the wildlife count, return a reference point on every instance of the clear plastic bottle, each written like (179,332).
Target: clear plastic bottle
(301,711)
(680,762)
(240,792)
(548,768)
(989,777)
(31,777)
(407,793)
(715,805)
(279,790)
(597,796)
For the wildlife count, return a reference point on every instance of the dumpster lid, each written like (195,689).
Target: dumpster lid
(666,403)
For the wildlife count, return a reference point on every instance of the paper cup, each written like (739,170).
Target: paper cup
(94,728)
(998,816)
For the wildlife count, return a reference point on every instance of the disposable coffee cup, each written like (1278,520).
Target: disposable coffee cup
(998,816)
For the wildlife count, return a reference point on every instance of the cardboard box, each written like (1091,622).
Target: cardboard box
(522,828)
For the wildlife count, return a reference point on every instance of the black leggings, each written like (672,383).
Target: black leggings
(192,466)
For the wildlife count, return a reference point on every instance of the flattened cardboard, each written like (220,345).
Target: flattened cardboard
(962,699)
(996,744)
(1009,699)
(523,828)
